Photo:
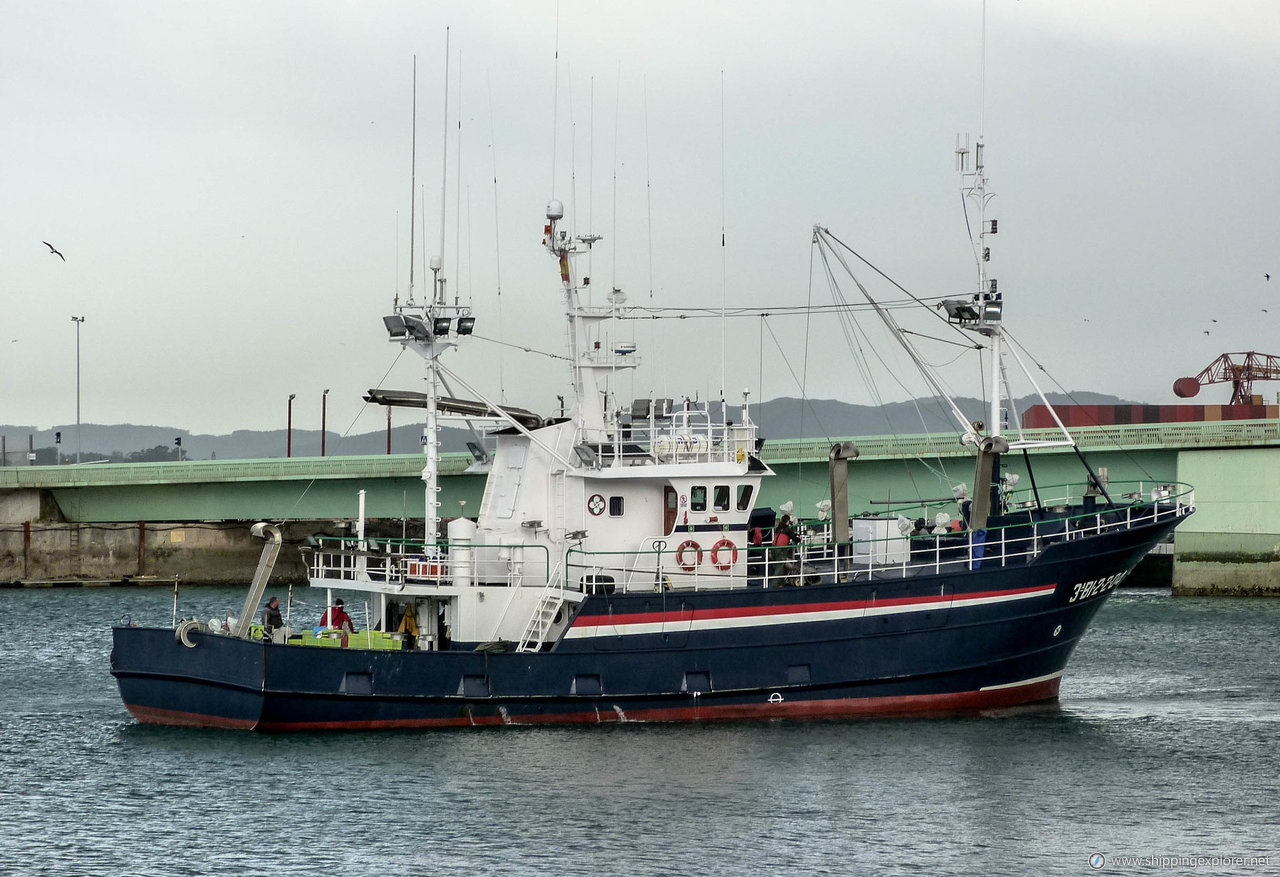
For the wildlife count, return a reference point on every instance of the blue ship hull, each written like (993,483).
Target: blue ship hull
(990,637)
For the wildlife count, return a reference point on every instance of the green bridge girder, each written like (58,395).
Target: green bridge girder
(890,468)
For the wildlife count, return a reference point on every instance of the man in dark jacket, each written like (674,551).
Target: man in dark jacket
(271,618)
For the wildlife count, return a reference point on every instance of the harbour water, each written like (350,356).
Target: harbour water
(1165,748)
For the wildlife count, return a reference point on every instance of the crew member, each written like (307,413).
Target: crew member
(335,616)
(271,618)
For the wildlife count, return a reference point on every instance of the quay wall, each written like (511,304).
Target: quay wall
(213,553)
(1231,545)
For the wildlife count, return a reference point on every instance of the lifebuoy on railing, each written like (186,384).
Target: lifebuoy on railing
(725,564)
(685,563)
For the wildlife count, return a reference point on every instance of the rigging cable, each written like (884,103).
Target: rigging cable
(852,329)
(521,347)
(301,496)
(1101,427)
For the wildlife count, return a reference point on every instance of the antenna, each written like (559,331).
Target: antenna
(573,152)
(497,244)
(413,170)
(617,111)
(648,206)
(982,80)
(457,209)
(591,175)
(555,104)
(962,154)
(444,165)
(724,271)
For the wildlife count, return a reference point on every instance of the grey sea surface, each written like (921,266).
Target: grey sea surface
(1162,757)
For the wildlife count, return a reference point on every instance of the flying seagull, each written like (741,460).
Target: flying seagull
(1268,276)
(54,251)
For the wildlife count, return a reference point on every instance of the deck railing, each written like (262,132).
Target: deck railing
(682,436)
(667,564)
(405,561)
(814,558)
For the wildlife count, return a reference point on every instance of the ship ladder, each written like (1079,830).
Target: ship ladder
(540,621)
(544,613)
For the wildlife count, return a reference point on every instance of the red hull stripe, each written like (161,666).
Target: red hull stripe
(1038,690)
(150,715)
(996,697)
(796,613)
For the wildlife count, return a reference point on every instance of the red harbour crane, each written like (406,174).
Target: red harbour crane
(1241,369)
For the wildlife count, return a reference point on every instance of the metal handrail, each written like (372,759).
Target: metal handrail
(392,567)
(950,551)
(658,567)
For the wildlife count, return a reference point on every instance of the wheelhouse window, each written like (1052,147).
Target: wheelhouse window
(720,499)
(744,497)
(615,506)
(698,499)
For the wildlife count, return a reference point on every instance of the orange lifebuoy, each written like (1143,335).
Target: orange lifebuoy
(715,554)
(685,563)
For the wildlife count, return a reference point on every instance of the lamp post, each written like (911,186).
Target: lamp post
(324,408)
(288,441)
(77,321)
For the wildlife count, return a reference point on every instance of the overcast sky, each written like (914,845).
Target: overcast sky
(230,185)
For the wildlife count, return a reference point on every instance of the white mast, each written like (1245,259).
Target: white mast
(590,364)
(987,302)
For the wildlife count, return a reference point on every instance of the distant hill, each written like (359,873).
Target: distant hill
(783,418)
(786,417)
(118,442)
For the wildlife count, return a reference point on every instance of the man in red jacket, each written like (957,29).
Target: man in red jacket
(335,616)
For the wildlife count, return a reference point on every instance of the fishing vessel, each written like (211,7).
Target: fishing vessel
(619,568)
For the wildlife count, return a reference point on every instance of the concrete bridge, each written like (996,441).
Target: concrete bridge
(1232,543)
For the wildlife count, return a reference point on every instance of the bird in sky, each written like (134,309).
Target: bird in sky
(1206,331)
(53,250)
(1268,276)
